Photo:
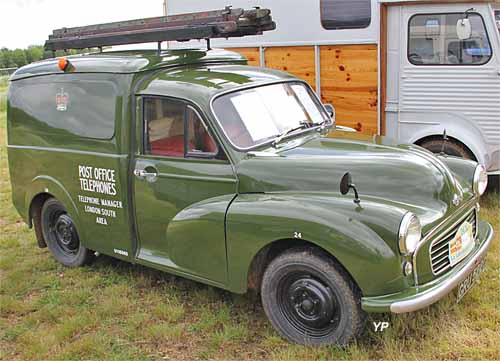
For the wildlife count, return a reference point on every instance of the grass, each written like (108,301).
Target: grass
(4,80)
(112,310)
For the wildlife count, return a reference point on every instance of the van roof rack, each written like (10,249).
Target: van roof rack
(207,25)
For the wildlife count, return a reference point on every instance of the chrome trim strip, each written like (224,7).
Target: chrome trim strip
(444,267)
(440,254)
(317,69)
(445,234)
(198,178)
(435,294)
(262,56)
(432,233)
(71,151)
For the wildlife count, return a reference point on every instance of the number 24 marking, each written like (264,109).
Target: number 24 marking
(297,235)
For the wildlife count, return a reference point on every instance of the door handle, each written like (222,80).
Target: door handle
(149,174)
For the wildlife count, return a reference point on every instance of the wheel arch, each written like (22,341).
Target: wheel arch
(35,213)
(450,139)
(259,226)
(458,129)
(39,191)
(272,250)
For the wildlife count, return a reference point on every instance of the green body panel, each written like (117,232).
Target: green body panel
(46,159)
(208,219)
(180,217)
(354,235)
(128,62)
(411,178)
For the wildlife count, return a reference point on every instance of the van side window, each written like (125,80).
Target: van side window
(174,129)
(345,14)
(199,140)
(164,127)
(433,40)
(62,106)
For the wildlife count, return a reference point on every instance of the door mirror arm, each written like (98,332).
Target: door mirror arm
(464,26)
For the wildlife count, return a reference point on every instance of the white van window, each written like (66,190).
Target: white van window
(433,40)
(345,14)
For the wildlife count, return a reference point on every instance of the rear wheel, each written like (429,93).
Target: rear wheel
(451,147)
(310,300)
(61,236)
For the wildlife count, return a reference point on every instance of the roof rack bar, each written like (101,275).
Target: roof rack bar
(201,25)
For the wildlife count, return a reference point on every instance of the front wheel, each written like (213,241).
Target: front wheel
(451,147)
(61,236)
(310,300)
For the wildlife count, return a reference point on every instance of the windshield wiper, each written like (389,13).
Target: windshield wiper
(304,125)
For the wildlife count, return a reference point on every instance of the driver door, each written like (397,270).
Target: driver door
(183,185)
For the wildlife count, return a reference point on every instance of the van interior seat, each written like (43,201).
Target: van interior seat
(169,147)
(166,136)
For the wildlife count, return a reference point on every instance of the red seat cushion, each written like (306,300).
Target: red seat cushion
(169,147)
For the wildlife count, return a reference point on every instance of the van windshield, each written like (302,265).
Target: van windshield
(253,117)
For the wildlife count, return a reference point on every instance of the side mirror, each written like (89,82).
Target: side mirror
(345,183)
(464,29)
(330,110)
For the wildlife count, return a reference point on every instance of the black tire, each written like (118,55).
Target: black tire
(310,300)
(451,147)
(61,236)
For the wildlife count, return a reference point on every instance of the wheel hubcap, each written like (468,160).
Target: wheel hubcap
(65,234)
(312,301)
(309,304)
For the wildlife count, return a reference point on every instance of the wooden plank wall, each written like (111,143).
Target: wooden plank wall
(349,78)
(252,54)
(298,60)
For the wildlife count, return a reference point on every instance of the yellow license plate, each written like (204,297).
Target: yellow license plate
(462,244)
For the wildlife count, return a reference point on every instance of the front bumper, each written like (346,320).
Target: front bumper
(424,295)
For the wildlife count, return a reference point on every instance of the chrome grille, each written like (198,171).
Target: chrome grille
(439,251)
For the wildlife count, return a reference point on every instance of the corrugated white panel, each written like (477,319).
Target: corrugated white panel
(472,92)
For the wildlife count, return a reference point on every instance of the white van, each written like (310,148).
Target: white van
(391,67)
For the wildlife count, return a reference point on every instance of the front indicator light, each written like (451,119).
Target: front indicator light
(407,269)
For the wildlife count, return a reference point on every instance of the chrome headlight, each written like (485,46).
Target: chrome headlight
(410,233)
(480,181)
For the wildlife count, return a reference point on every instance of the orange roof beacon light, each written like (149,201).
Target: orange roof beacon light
(63,64)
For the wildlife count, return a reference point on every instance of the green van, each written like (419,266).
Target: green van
(194,163)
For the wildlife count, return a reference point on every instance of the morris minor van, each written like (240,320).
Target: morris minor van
(196,164)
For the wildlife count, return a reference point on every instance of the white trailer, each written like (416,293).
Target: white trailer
(390,67)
